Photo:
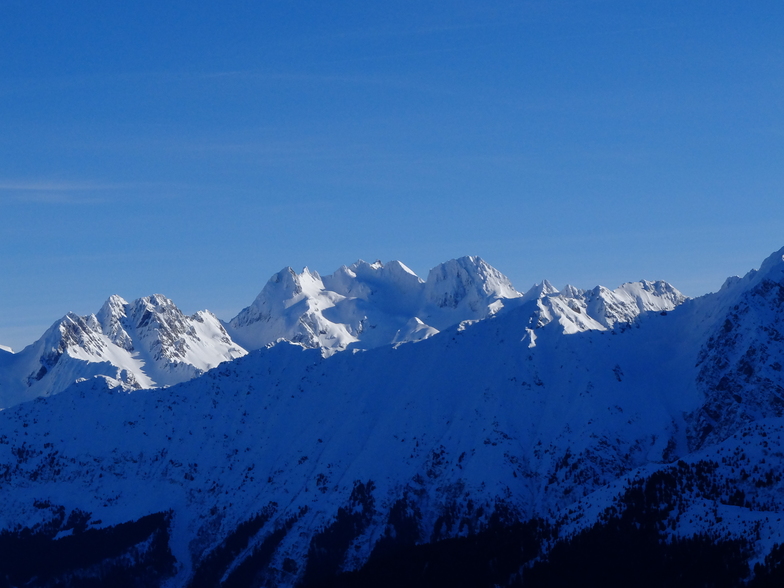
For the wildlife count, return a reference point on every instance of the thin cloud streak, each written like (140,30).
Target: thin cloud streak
(54,186)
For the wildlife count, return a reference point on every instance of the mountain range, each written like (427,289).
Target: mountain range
(372,428)
(150,343)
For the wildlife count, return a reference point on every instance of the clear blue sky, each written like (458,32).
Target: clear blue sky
(195,148)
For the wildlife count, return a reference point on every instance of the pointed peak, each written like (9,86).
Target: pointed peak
(572,292)
(345,270)
(474,269)
(155,301)
(467,278)
(114,307)
(287,279)
(116,300)
(466,262)
(362,266)
(600,290)
(773,266)
(731,282)
(396,266)
(540,290)
(307,273)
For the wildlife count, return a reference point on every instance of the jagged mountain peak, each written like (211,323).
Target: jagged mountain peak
(467,281)
(472,271)
(740,363)
(391,270)
(113,307)
(572,292)
(362,279)
(772,268)
(295,463)
(540,290)
(365,305)
(651,296)
(773,265)
(144,343)
(290,285)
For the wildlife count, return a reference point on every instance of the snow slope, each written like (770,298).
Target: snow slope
(149,342)
(141,344)
(368,305)
(547,407)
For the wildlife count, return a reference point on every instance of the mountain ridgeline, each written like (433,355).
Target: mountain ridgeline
(150,343)
(371,428)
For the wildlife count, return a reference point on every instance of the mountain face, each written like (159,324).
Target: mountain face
(145,343)
(626,437)
(369,305)
(150,343)
(740,364)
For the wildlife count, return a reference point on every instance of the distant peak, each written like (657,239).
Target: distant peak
(306,272)
(466,278)
(732,281)
(540,290)
(285,279)
(158,300)
(117,300)
(361,265)
(113,307)
(773,266)
(398,266)
(571,292)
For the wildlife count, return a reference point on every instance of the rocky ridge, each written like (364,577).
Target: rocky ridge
(142,344)
(149,342)
(294,467)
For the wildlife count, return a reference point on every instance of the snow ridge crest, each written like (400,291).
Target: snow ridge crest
(141,344)
(366,305)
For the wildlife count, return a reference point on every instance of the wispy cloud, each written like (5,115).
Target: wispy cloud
(55,191)
(79,192)
(57,198)
(55,186)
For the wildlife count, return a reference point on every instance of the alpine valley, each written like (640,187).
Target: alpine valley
(370,428)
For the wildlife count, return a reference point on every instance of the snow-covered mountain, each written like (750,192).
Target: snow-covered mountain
(368,305)
(149,342)
(582,414)
(141,344)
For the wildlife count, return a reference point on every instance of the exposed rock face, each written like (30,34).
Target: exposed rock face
(149,342)
(577,414)
(145,343)
(740,365)
(368,305)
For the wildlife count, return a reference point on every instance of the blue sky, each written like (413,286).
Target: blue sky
(196,148)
